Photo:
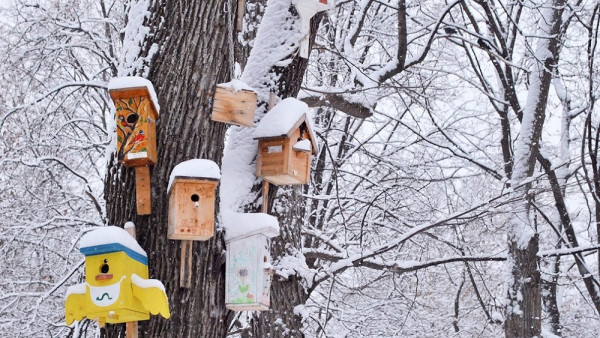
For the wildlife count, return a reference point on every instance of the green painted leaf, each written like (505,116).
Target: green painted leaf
(130,102)
(243,288)
(120,139)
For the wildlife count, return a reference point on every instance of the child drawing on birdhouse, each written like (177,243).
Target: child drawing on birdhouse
(116,288)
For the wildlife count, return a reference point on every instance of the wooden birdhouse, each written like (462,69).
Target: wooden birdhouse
(116,288)
(286,142)
(248,271)
(234,103)
(137,110)
(307,9)
(192,188)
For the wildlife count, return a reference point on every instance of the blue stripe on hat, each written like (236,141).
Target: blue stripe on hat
(113,247)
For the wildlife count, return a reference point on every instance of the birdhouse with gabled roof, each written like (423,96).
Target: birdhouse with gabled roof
(248,271)
(192,187)
(286,141)
(234,103)
(116,288)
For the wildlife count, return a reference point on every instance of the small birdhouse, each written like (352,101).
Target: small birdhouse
(285,143)
(192,188)
(234,103)
(137,110)
(116,288)
(307,9)
(248,271)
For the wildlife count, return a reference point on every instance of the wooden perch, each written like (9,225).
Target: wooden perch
(339,103)
(185,272)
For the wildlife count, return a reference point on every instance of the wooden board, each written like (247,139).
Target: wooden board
(143,190)
(192,209)
(234,107)
(285,167)
(185,268)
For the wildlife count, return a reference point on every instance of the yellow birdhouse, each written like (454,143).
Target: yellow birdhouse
(116,288)
(285,143)
(137,110)
(234,103)
(192,187)
(248,270)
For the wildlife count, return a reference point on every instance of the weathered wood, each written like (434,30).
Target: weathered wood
(142,190)
(185,270)
(234,107)
(279,164)
(265,196)
(192,209)
(241,9)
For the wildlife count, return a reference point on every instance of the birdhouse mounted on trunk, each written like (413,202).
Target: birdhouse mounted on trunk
(286,142)
(192,188)
(307,9)
(248,271)
(116,288)
(234,103)
(137,110)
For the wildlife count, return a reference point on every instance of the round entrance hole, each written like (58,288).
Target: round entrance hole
(195,198)
(132,118)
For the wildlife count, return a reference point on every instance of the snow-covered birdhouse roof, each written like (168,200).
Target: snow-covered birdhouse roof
(133,85)
(239,225)
(196,168)
(283,119)
(111,239)
(236,85)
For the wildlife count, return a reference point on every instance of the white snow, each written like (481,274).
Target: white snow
(132,60)
(282,118)
(108,235)
(129,225)
(134,82)
(147,283)
(239,225)
(77,289)
(197,168)
(236,85)
(303,145)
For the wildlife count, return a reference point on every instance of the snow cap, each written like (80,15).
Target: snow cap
(196,168)
(239,225)
(236,85)
(280,121)
(131,82)
(111,239)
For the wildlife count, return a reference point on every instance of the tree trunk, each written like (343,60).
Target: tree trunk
(194,46)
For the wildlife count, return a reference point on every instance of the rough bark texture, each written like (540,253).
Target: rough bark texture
(194,46)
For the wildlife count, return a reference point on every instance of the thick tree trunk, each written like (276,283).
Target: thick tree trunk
(194,47)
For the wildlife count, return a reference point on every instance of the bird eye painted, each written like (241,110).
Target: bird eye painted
(132,118)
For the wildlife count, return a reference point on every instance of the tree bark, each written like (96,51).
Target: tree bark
(194,41)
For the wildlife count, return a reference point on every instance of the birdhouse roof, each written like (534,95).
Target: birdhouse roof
(236,85)
(239,225)
(196,168)
(283,119)
(111,239)
(130,86)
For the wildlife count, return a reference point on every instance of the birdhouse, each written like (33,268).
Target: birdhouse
(116,288)
(248,270)
(234,103)
(286,142)
(192,188)
(307,9)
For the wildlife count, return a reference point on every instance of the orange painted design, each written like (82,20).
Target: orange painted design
(104,276)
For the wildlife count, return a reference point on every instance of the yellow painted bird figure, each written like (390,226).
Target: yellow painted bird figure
(116,288)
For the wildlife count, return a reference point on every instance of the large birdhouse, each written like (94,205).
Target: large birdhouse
(234,103)
(137,110)
(248,271)
(116,288)
(307,9)
(286,142)
(192,187)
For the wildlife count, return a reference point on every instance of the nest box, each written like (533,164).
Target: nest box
(248,271)
(234,103)
(116,288)
(136,114)
(192,188)
(307,9)
(286,142)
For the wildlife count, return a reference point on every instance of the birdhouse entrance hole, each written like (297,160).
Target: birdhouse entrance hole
(132,118)
(195,198)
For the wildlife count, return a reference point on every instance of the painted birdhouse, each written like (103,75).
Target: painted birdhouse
(234,103)
(116,288)
(307,9)
(285,143)
(136,114)
(248,271)
(192,187)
